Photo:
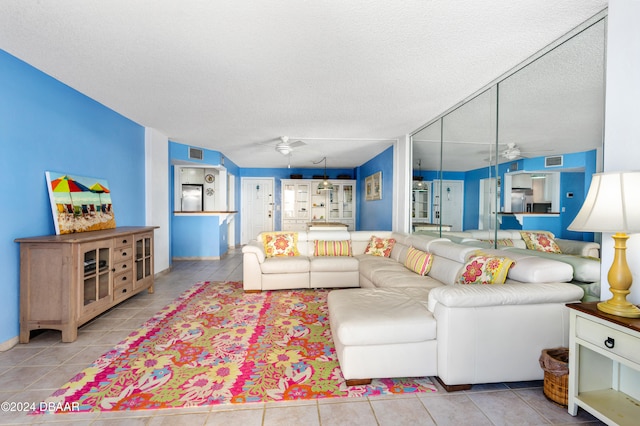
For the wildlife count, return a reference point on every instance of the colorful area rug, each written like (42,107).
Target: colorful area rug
(216,344)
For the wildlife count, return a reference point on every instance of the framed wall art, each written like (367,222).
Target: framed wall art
(373,187)
(79,203)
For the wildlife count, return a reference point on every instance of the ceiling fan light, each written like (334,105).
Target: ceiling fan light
(283,149)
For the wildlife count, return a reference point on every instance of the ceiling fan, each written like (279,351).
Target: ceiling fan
(513,152)
(285,147)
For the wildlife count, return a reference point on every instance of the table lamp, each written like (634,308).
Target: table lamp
(613,205)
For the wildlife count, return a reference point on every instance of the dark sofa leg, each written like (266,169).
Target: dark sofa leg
(452,388)
(358,382)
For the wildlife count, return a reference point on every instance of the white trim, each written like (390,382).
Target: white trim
(8,344)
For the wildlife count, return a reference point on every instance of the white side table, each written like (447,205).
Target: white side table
(604,365)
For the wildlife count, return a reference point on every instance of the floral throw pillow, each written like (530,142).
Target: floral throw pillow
(380,246)
(280,244)
(418,261)
(485,269)
(540,241)
(332,248)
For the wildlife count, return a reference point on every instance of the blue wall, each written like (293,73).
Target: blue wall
(46,125)
(376,214)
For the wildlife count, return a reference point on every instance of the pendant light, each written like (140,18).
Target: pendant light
(325,185)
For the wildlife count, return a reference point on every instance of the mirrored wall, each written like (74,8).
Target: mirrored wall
(520,154)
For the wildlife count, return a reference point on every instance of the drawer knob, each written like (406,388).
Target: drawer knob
(610,342)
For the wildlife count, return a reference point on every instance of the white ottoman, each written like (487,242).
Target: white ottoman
(382,333)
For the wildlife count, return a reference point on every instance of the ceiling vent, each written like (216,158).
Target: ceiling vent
(553,161)
(196,153)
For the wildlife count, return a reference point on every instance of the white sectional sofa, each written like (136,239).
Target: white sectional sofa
(573,247)
(401,324)
(583,256)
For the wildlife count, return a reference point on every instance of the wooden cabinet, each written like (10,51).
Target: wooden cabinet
(604,365)
(67,280)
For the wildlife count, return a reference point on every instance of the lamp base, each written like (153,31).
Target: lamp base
(626,310)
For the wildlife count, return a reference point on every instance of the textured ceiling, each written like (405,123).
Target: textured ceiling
(346,77)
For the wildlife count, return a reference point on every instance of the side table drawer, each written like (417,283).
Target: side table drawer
(609,339)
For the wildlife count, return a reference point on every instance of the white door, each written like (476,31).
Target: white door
(257,207)
(448,208)
(488,204)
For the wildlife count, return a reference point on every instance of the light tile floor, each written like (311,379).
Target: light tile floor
(30,373)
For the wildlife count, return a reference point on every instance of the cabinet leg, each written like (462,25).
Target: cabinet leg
(69,334)
(24,335)
(150,289)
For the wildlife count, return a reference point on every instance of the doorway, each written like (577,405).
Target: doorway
(448,208)
(257,207)
(488,204)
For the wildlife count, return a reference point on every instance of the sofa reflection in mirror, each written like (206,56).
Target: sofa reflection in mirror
(523,151)
(582,256)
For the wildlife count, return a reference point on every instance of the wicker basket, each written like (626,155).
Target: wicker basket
(555,364)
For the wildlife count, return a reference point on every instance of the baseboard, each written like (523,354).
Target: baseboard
(178,259)
(8,344)
(163,272)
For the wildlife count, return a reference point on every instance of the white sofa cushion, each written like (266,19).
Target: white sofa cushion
(534,269)
(379,316)
(467,296)
(285,265)
(394,278)
(333,263)
(369,266)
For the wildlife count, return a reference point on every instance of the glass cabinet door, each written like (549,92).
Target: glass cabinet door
(289,201)
(302,200)
(347,200)
(421,208)
(334,202)
(143,258)
(96,273)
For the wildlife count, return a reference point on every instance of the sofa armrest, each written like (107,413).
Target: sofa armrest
(472,296)
(579,248)
(256,248)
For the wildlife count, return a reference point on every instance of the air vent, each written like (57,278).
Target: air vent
(554,161)
(196,153)
(513,167)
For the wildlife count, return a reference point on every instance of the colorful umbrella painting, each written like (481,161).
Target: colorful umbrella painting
(69,185)
(99,188)
(77,203)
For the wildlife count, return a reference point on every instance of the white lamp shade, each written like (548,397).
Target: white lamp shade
(612,204)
